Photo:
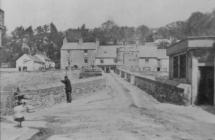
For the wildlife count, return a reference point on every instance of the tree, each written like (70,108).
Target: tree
(141,33)
(109,24)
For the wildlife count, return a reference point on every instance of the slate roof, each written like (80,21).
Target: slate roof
(151,50)
(33,58)
(79,46)
(106,52)
(44,56)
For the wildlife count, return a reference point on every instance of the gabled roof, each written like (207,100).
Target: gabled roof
(43,56)
(151,50)
(33,58)
(79,46)
(147,51)
(128,48)
(106,52)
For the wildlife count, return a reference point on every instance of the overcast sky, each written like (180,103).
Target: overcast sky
(73,13)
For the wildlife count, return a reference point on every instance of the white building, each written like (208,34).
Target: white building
(48,62)
(106,57)
(78,53)
(29,63)
(152,59)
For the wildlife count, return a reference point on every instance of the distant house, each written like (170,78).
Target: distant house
(152,59)
(29,63)
(192,62)
(127,56)
(78,53)
(47,61)
(106,57)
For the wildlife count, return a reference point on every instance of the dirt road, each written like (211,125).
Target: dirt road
(123,112)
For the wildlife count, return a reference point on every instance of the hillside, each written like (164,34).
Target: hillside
(198,24)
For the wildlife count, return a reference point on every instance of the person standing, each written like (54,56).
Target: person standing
(68,89)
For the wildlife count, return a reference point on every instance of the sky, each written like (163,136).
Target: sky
(73,13)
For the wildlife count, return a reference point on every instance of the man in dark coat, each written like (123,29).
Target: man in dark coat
(68,89)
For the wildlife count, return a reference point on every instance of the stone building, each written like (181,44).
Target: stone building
(78,53)
(106,57)
(2,28)
(192,62)
(151,58)
(127,56)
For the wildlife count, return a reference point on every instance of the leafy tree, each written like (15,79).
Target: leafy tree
(141,33)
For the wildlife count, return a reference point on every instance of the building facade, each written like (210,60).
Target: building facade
(29,63)
(192,62)
(106,57)
(2,28)
(151,58)
(78,54)
(127,56)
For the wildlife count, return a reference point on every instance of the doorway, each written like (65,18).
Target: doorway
(206,86)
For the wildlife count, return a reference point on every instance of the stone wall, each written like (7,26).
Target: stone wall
(163,91)
(46,97)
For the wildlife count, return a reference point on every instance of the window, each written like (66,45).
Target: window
(175,67)
(101,61)
(85,60)
(182,66)
(85,51)
(146,60)
(179,66)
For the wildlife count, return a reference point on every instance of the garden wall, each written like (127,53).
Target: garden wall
(40,98)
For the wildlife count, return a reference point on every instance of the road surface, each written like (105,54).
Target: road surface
(123,112)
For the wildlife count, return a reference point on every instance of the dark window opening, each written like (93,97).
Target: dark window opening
(85,60)
(85,51)
(206,86)
(179,66)
(101,61)
(147,60)
(183,66)
(175,67)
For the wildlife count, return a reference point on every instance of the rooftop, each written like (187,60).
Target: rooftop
(107,51)
(192,42)
(33,58)
(44,56)
(151,51)
(79,46)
